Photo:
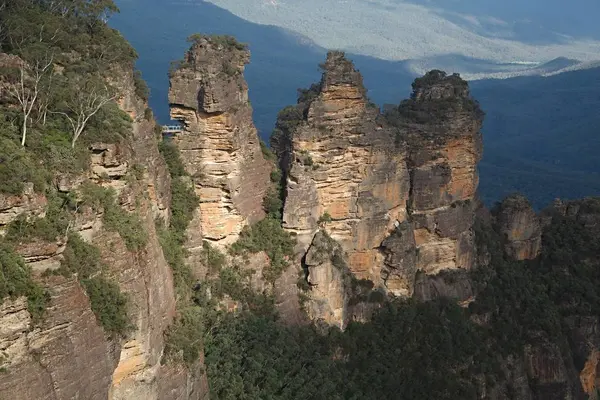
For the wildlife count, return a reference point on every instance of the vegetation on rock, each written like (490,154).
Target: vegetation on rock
(16,281)
(268,236)
(107,301)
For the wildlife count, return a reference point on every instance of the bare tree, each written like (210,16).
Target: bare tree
(27,87)
(88,100)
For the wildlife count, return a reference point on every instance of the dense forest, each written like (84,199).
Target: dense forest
(59,95)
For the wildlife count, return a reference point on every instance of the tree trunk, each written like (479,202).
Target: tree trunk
(24,132)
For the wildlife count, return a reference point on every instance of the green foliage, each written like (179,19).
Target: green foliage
(253,357)
(128,225)
(326,217)
(267,152)
(107,301)
(17,166)
(81,258)
(171,155)
(172,238)
(306,159)
(109,305)
(183,203)
(184,338)
(172,242)
(141,88)
(16,280)
(273,200)
(213,258)
(225,41)
(53,226)
(272,203)
(268,236)
(526,300)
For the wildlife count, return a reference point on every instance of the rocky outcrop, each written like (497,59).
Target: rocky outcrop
(219,143)
(520,227)
(329,281)
(28,204)
(345,172)
(441,124)
(396,191)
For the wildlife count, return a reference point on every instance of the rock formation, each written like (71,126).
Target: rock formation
(345,173)
(520,227)
(219,143)
(398,194)
(441,124)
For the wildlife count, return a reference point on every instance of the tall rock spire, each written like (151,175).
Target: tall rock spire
(219,143)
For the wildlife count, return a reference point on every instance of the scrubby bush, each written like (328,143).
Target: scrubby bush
(141,88)
(268,236)
(107,301)
(16,281)
(183,341)
(50,228)
(109,305)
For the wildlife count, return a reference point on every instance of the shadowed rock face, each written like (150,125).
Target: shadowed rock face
(441,124)
(520,227)
(219,144)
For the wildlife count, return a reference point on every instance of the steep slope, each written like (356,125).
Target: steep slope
(86,314)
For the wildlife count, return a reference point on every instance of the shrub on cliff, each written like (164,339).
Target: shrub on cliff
(225,41)
(107,301)
(16,281)
(268,236)
(109,305)
(128,225)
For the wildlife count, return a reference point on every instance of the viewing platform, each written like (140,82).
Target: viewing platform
(170,129)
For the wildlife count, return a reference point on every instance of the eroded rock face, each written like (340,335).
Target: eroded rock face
(329,282)
(396,191)
(441,124)
(66,356)
(400,264)
(29,204)
(344,170)
(219,143)
(520,227)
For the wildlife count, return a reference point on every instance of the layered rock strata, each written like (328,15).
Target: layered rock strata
(441,124)
(67,354)
(345,175)
(219,143)
(397,194)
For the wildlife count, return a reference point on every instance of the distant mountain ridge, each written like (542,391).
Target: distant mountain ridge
(422,33)
(540,133)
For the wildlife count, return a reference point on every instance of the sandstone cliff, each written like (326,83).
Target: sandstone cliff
(345,174)
(67,354)
(219,143)
(441,124)
(396,192)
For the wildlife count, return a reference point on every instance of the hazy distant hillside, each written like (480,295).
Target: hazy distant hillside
(542,136)
(399,30)
(540,133)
